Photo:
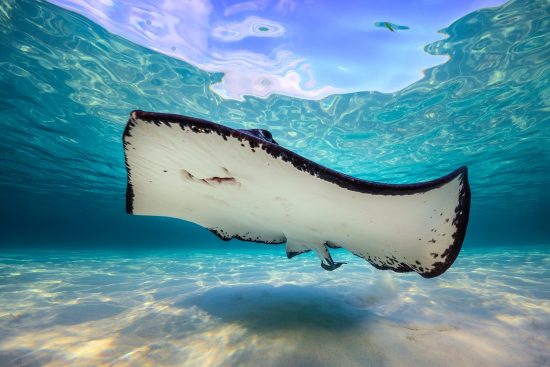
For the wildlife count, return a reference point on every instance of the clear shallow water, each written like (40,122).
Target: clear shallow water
(252,308)
(66,88)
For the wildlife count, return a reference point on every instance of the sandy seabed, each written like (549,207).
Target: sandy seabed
(256,308)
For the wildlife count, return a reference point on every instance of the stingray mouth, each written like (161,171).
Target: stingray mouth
(221,180)
(212,181)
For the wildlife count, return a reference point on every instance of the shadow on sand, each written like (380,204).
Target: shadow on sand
(266,307)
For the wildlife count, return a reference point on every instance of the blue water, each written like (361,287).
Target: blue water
(82,283)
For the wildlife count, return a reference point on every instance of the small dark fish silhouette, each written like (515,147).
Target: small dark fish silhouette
(392,27)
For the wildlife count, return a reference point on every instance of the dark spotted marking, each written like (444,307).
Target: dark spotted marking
(223,235)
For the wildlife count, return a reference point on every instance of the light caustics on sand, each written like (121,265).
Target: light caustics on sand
(197,308)
(301,49)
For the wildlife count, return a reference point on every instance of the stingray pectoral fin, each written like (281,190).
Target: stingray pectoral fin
(241,184)
(294,249)
(419,229)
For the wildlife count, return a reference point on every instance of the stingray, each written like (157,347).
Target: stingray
(242,184)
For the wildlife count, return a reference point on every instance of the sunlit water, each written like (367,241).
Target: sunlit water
(307,49)
(82,283)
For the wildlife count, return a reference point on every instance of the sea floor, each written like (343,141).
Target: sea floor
(256,308)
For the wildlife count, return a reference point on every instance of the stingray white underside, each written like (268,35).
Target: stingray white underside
(236,186)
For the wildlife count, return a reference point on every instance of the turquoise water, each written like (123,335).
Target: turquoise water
(83,283)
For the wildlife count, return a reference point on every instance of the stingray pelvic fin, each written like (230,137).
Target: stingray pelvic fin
(326,260)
